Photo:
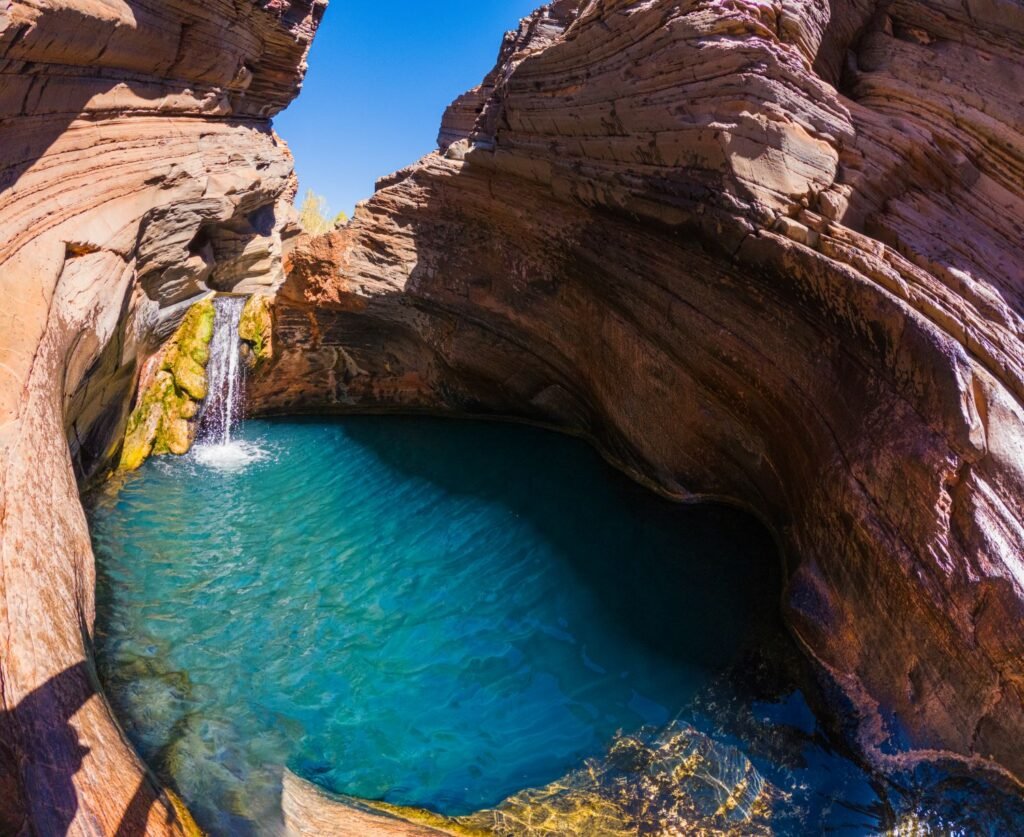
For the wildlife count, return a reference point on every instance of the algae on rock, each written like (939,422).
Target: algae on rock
(185,820)
(255,329)
(161,422)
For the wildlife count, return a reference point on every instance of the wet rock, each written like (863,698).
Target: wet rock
(162,421)
(255,329)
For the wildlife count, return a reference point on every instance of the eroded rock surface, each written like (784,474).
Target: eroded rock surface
(138,173)
(764,251)
(256,330)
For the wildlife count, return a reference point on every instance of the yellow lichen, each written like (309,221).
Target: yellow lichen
(255,329)
(161,421)
(421,816)
(188,825)
(188,375)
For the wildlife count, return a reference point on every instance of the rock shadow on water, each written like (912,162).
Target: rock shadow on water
(733,594)
(658,602)
(37,789)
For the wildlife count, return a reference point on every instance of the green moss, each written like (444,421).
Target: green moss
(161,422)
(196,331)
(256,328)
(141,432)
(189,375)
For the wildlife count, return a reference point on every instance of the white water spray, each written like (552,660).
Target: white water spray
(222,409)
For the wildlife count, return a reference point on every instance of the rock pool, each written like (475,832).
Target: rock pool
(441,614)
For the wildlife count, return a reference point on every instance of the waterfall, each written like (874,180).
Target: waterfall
(222,408)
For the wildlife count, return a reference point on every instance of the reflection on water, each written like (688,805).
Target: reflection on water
(448,615)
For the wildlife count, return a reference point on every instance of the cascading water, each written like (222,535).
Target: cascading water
(222,409)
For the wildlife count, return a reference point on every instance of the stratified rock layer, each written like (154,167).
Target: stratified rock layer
(138,173)
(769,252)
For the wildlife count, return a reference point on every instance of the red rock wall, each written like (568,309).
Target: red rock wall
(769,252)
(137,172)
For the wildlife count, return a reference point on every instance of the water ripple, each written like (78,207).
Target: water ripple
(429,613)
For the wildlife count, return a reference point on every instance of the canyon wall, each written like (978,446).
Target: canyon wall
(138,173)
(767,252)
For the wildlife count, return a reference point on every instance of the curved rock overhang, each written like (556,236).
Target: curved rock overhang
(762,251)
(138,173)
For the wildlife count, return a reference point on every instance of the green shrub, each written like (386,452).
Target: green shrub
(315,216)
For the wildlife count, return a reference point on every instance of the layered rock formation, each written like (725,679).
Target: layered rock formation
(138,173)
(762,251)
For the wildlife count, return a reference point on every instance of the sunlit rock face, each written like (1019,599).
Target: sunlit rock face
(762,251)
(138,172)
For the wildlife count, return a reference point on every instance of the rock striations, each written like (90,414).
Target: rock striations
(138,173)
(761,251)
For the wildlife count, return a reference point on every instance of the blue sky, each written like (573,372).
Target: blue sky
(380,76)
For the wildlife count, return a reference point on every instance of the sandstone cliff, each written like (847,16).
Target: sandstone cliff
(138,172)
(762,251)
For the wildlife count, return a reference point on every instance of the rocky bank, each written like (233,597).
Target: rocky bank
(760,250)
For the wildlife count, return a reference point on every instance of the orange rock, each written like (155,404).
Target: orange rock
(138,171)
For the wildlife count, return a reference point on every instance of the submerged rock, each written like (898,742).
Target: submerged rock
(670,781)
(673,781)
(162,422)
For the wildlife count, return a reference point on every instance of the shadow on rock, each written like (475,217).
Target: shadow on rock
(38,784)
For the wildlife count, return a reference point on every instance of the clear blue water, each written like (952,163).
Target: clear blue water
(437,614)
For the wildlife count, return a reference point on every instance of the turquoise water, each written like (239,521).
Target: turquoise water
(437,614)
